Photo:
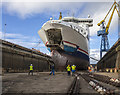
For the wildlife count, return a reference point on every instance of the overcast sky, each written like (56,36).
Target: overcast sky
(24,19)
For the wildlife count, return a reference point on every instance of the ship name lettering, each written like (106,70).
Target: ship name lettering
(75,28)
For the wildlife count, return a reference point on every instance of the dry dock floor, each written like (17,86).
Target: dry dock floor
(113,75)
(41,83)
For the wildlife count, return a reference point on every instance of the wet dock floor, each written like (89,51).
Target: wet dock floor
(113,75)
(41,83)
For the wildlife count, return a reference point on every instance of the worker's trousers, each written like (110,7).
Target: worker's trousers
(68,73)
(52,72)
(31,71)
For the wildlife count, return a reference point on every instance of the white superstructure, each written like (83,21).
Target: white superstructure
(69,34)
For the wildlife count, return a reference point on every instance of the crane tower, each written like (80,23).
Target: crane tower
(104,29)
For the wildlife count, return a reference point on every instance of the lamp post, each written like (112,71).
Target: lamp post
(119,21)
(5,30)
(118,39)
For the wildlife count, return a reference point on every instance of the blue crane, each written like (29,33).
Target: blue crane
(104,30)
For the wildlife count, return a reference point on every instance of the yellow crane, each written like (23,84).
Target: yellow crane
(60,16)
(104,31)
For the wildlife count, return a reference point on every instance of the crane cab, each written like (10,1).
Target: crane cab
(101,32)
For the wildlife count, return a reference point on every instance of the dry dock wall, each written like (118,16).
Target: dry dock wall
(111,60)
(16,58)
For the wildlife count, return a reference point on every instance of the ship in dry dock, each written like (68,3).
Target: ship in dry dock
(68,41)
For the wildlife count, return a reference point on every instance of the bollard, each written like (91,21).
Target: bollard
(107,70)
(115,71)
(111,70)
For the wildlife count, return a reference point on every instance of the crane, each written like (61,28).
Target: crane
(36,46)
(104,29)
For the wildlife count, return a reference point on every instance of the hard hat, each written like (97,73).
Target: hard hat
(73,65)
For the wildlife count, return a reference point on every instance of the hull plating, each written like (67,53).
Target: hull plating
(62,59)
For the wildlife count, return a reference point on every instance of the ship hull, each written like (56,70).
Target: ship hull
(62,59)
(67,45)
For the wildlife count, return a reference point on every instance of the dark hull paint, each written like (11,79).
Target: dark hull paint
(62,59)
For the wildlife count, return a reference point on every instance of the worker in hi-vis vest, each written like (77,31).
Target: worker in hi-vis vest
(73,69)
(30,69)
(52,69)
(68,70)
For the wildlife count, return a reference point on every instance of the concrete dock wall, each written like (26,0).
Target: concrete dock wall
(16,58)
(111,60)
